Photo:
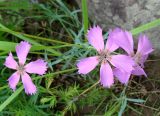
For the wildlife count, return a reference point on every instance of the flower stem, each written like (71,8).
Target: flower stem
(85,91)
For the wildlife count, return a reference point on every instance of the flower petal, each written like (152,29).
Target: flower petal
(138,71)
(144,45)
(13,80)
(122,76)
(122,62)
(95,38)
(123,39)
(22,50)
(29,87)
(106,75)
(87,64)
(37,67)
(10,62)
(110,44)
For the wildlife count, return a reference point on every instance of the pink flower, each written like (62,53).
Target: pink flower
(104,56)
(124,39)
(36,67)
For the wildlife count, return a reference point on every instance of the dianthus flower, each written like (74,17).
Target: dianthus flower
(105,56)
(36,67)
(124,40)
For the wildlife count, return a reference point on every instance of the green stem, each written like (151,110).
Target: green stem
(56,73)
(88,89)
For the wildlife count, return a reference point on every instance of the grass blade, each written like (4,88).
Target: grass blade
(85,15)
(10,99)
(5,29)
(145,27)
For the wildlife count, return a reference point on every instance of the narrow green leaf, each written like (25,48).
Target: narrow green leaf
(122,108)
(19,35)
(15,5)
(45,39)
(10,46)
(85,15)
(145,27)
(7,46)
(10,99)
(136,100)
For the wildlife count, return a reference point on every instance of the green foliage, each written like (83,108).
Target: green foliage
(14,5)
(56,31)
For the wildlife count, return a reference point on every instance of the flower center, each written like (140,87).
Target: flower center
(137,58)
(21,69)
(104,56)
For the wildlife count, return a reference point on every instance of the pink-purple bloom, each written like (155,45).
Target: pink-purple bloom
(36,67)
(105,56)
(124,40)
